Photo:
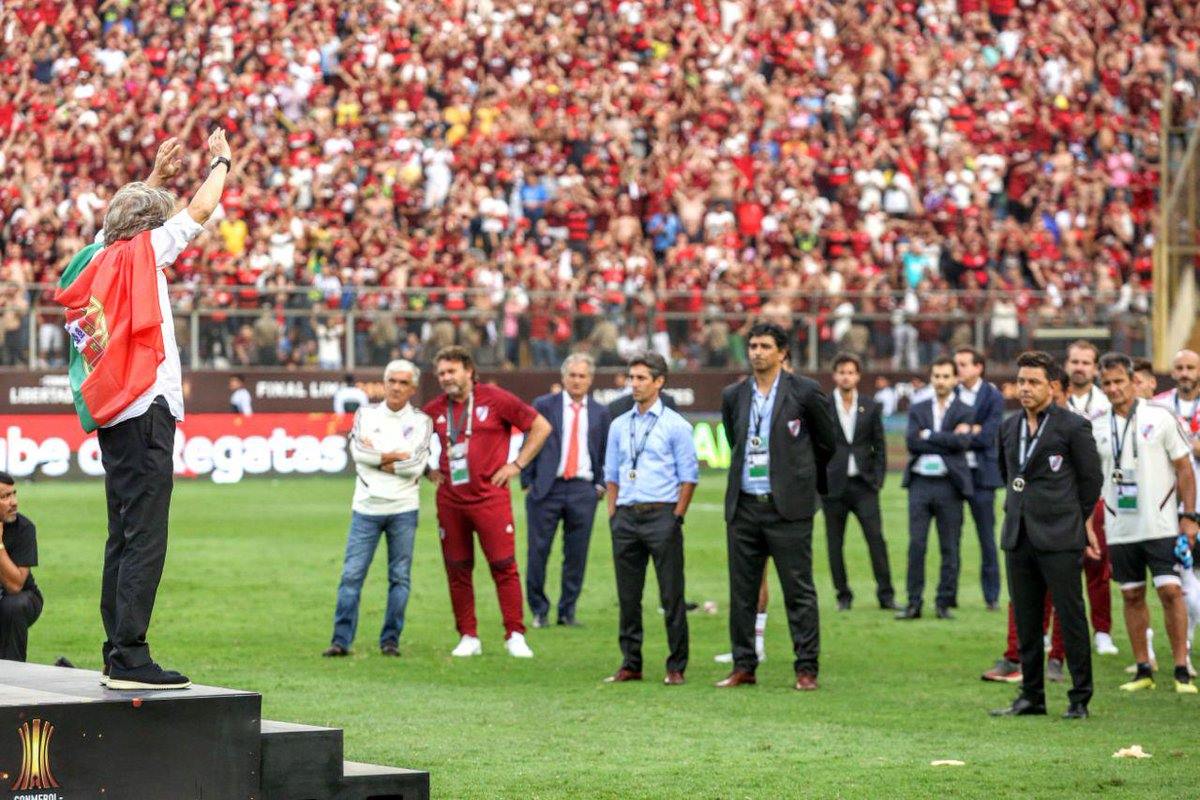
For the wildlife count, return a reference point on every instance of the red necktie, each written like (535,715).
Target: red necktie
(572,465)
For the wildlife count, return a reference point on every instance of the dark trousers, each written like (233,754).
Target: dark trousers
(642,532)
(756,532)
(933,499)
(573,502)
(17,613)
(861,500)
(1030,574)
(138,478)
(983,511)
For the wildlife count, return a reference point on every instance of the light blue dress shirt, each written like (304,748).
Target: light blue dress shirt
(759,406)
(668,459)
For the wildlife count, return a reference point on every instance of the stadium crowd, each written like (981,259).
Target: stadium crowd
(626,173)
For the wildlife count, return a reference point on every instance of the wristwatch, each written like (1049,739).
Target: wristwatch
(1194,516)
(220,160)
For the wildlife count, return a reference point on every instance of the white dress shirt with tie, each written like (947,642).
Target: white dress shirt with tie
(583,463)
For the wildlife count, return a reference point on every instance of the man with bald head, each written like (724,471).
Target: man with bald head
(1184,402)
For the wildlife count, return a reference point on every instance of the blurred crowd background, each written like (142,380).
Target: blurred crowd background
(529,177)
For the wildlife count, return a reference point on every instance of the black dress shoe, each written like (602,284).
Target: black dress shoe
(993,606)
(909,612)
(888,605)
(844,605)
(1076,711)
(539,621)
(943,612)
(335,651)
(390,650)
(1021,708)
(569,622)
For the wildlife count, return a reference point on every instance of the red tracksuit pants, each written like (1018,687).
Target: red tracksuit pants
(493,521)
(1098,574)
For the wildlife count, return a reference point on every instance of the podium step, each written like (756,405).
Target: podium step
(300,761)
(373,782)
(304,762)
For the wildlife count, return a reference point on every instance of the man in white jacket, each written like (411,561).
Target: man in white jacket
(390,445)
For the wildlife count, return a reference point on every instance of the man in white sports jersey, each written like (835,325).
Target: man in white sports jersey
(1087,400)
(1184,402)
(1084,397)
(1146,461)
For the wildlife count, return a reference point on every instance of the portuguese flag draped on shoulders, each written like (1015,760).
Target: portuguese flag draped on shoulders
(110,296)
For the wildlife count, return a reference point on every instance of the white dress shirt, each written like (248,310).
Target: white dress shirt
(168,241)
(848,420)
(583,464)
(969,396)
(939,412)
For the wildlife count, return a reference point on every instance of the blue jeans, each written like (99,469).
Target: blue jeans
(365,530)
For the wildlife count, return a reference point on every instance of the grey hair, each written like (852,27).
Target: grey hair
(574,358)
(135,208)
(403,365)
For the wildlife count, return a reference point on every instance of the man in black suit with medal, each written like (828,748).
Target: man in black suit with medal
(938,480)
(781,431)
(1049,462)
(856,476)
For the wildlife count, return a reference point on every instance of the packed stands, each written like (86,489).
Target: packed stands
(524,176)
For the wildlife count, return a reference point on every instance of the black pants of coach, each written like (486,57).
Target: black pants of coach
(642,532)
(861,500)
(574,503)
(756,532)
(1030,574)
(17,613)
(934,499)
(138,478)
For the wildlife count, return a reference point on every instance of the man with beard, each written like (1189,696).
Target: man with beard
(474,421)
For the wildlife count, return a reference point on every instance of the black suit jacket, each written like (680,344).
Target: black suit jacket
(952,447)
(867,445)
(801,442)
(539,474)
(1062,482)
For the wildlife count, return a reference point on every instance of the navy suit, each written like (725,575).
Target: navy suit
(938,498)
(989,412)
(549,499)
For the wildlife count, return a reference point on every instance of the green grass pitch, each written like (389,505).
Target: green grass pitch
(248,596)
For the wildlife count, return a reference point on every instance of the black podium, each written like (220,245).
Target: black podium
(63,736)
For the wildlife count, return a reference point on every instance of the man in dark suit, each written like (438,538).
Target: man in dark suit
(938,480)
(565,482)
(984,462)
(781,431)
(1049,462)
(856,475)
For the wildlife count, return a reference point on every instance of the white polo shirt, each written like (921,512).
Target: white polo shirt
(378,430)
(1158,440)
(168,241)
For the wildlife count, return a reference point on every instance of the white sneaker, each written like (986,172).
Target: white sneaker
(1046,642)
(1105,645)
(727,658)
(468,646)
(516,646)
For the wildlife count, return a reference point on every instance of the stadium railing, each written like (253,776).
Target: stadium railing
(234,326)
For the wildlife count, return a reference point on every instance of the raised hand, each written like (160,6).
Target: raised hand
(217,146)
(167,162)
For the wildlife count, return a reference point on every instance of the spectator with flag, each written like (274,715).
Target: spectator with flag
(126,380)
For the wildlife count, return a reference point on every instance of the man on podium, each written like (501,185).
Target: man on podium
(127,384)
